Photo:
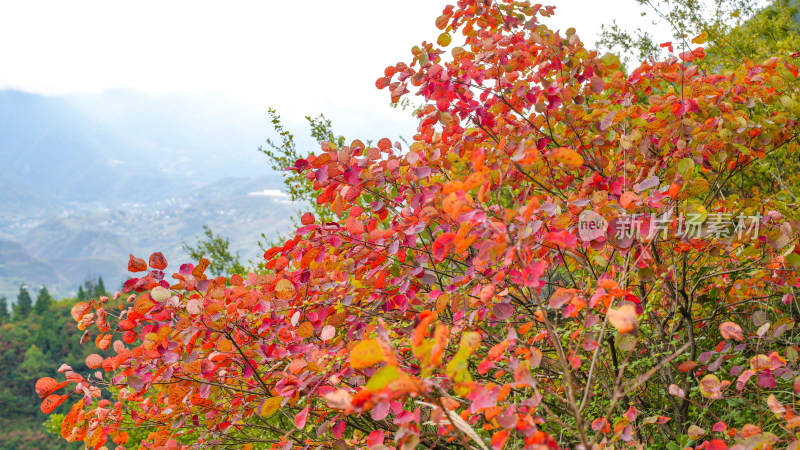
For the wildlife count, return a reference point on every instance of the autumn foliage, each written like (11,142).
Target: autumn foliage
(454,303)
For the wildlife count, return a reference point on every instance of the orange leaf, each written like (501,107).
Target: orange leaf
(567,157)
(103,341)
(46,386)
(627,199)
(284,289)
(94,361)
(623,318)
(52,402)
(79,310)
(499,439)
(136,264)
(354,226)
(201,267)
(700,39)
(730,330)
(305,330)
(69,420)
(143,304)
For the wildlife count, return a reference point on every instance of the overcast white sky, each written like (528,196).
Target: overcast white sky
(302,57)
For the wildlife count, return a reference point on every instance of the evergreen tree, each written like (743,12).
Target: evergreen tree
(217,249)
(81,293)
(43,301)
(24,304)
(34,363)
(4,315)
(88,287)
(99,288)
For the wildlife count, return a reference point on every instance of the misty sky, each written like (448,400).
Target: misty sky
(301,57)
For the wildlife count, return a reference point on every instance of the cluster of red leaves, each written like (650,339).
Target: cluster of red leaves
(454,300)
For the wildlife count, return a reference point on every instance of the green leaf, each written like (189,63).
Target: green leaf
(686,167)
(610,60)
(793,261)
(696,212)
(382,378)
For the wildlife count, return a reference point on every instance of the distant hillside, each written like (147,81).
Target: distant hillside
(62,251)
(18,266)
(125,145)
(18,199)
(86,179)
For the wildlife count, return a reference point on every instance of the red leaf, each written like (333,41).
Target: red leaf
(442,246)
(601,425)
(532,273)
(607,121)
(375,438)
(562,238)
(136,264)
(384,144)
(300,418)
(158,261)
(307,219)
(499,439)
(715,444)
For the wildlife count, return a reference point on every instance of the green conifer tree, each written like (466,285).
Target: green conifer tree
(99,288)
(81,293)
(43,301)
(24,304)
(4,314)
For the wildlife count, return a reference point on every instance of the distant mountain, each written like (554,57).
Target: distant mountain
(124,145)
(87,179)
(64,250)
(18,266)
(18,199)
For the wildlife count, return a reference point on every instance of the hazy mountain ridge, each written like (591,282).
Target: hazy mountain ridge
(87,179)
(18,200)
(69,248)
(123,145)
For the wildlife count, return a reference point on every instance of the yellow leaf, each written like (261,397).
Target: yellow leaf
(366,353)
(700,39)
(271,406)
(470,342)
